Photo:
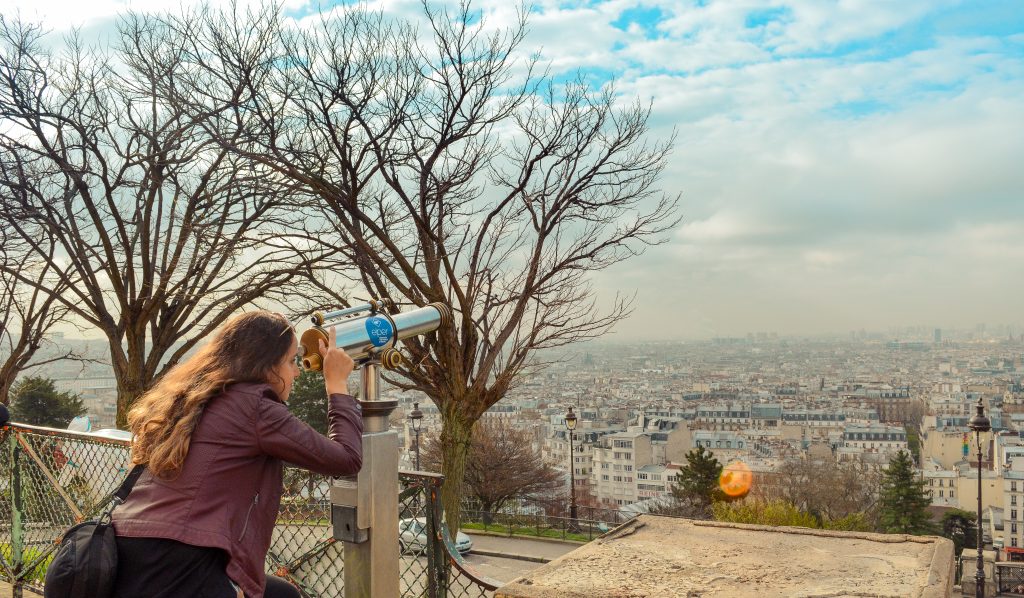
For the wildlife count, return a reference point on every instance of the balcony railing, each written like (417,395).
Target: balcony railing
(51,479)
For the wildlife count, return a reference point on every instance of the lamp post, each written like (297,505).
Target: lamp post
(978,424)
(416,417)
(570,425)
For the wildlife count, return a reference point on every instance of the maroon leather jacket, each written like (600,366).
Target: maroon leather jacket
(229,489)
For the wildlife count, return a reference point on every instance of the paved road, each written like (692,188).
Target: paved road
(523,546)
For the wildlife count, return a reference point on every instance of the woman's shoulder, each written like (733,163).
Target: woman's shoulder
(239,402)
(241,395)
(250,390)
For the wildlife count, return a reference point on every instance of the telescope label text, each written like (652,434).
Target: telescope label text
(379,330)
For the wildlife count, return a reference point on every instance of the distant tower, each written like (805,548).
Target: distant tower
(938,336)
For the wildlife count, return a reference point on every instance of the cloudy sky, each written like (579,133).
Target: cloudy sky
(843,165)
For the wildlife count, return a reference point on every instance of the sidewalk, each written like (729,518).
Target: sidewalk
(520,547)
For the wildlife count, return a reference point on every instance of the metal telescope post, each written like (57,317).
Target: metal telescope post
(364,507)
(371,567)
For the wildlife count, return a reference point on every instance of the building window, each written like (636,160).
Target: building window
(940,493)
(1013,514)
(1013,486)
(1013,500)
(951,495)
(1013,542)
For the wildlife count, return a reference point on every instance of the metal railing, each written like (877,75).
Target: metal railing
(51,479)
(536,524)
(1010,579)
(543,519)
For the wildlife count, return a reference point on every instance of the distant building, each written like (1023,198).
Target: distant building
(876,443)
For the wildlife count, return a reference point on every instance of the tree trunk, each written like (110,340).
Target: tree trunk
(128,390)
(455,439)
(6,381)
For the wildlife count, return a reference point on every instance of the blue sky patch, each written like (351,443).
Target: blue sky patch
(857,109)
(646,17)
(760,18)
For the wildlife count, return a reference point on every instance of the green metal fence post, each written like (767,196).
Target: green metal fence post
(437,554)
(17,518)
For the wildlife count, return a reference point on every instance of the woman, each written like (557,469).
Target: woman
(213,434)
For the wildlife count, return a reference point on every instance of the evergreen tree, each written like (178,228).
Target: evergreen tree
(308,400)
(37,402)
(904,499)
(959,527)
(696,484)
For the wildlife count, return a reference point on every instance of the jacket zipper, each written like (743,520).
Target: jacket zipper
(255,501)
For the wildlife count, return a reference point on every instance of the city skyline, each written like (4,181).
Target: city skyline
(842,167)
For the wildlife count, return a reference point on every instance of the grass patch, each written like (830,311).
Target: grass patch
(36,575)
(526,531)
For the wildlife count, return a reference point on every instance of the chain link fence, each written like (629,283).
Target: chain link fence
(52,479)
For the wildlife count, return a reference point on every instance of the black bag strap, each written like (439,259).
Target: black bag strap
(129,482)
(121,493)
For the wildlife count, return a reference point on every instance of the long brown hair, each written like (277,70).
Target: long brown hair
(162,421)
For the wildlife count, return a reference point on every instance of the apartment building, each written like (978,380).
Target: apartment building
(655,481)
(872,443)
(942,483)
(557,454)
(1013,506)
(619,459)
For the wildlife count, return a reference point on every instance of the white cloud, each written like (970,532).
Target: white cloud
(822,188)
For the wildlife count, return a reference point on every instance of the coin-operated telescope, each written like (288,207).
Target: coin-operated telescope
(368,334)
(364,507)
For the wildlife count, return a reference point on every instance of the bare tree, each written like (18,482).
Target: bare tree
(443,169)
(501,466)
(159,233)
(27,314)
(825,488)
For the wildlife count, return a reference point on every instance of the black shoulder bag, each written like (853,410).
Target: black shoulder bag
(85,565)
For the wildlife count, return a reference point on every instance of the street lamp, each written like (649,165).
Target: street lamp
(570,424)
(416,417)
(978,424)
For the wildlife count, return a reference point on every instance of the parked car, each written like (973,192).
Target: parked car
(412,536)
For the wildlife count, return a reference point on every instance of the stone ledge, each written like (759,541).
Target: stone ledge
(664,556)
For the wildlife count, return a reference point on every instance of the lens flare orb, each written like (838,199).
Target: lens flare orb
(736,479)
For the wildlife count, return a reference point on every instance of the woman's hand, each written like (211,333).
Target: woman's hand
(337,365)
